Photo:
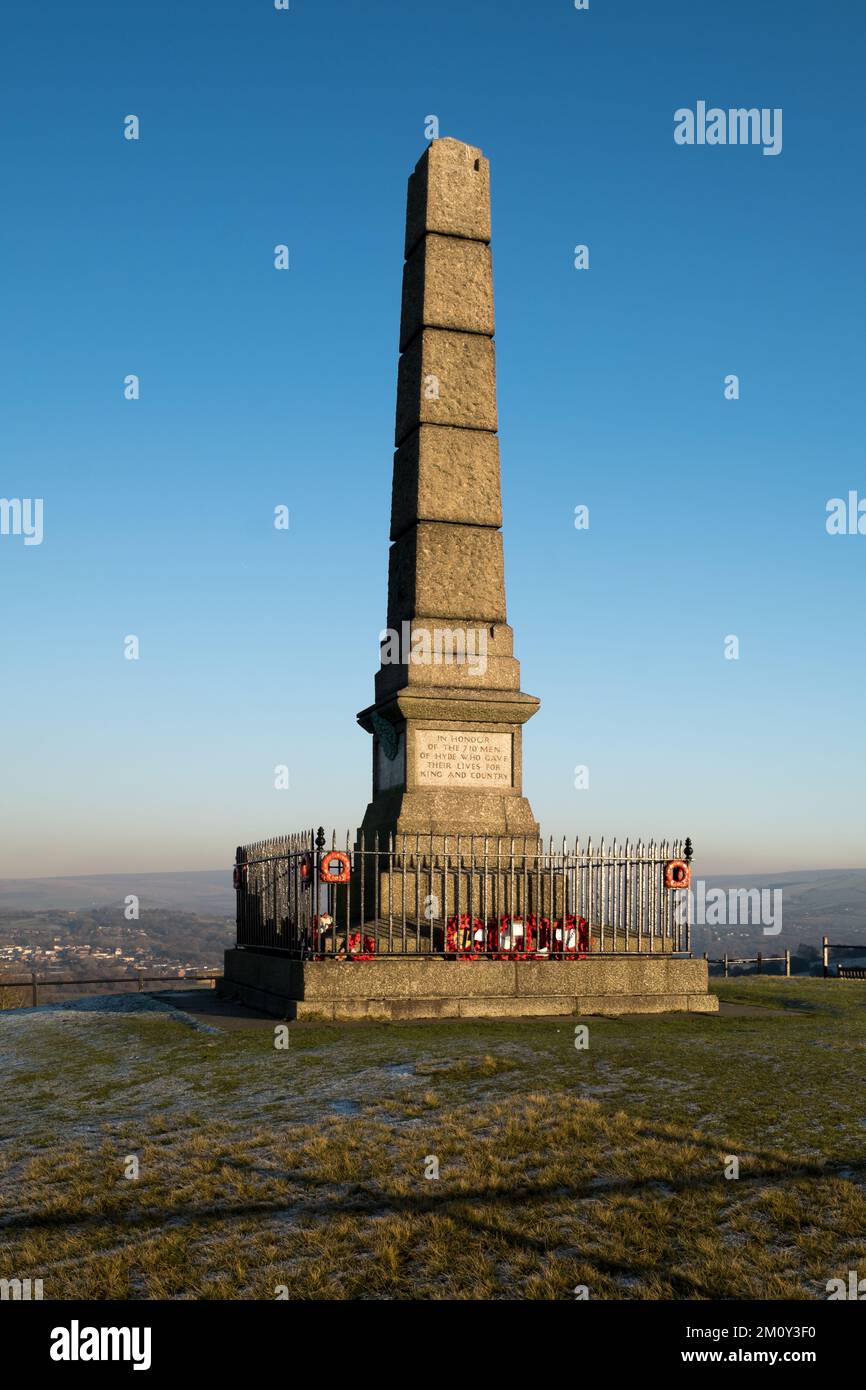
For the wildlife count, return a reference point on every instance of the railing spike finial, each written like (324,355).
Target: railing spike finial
(688,851)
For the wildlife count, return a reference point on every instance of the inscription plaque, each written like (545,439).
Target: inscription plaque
(451,758)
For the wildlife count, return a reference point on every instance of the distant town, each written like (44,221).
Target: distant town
(100,943)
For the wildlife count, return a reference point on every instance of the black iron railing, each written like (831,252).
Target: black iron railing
(462,895)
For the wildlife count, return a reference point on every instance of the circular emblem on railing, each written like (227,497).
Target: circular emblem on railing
(678,874)
(336,867)
(239,876)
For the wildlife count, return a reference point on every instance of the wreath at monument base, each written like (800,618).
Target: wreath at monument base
(517,938)
(504,938)
(361,949)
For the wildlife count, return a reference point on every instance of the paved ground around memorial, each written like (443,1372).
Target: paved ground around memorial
(305,1168)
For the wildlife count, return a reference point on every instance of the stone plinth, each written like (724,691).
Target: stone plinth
(428,987)
(453,794)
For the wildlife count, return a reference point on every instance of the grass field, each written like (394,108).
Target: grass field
(304,1170)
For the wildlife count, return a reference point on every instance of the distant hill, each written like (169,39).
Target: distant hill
(202,891)
(815,903)
(808,888)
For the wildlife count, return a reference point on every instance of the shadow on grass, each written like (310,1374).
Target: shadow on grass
(370,1202)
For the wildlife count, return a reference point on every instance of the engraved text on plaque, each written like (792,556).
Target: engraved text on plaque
(452,758)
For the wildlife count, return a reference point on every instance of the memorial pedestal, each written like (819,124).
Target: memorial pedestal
(426,987)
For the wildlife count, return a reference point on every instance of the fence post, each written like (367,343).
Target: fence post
(688,854)
(34,987)
(825,956)
(726,964)
(139,984)
(758,959)
(787,961)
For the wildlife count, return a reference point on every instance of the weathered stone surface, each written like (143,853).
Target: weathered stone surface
(448,192)
(703,1003)
(489,661)
(583,1006)
(612,974)
(443,474)
(456,572)
(425,987)
(452,704)
(447,283)
(446,378)
(612,1005)
(441,811)
(514,1008)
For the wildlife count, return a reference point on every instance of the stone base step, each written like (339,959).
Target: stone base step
(419,987)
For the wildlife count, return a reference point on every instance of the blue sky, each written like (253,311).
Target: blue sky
(258,387)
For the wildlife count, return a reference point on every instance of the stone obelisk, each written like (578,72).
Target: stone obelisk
(448,713)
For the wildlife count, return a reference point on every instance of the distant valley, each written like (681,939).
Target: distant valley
(74,925)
